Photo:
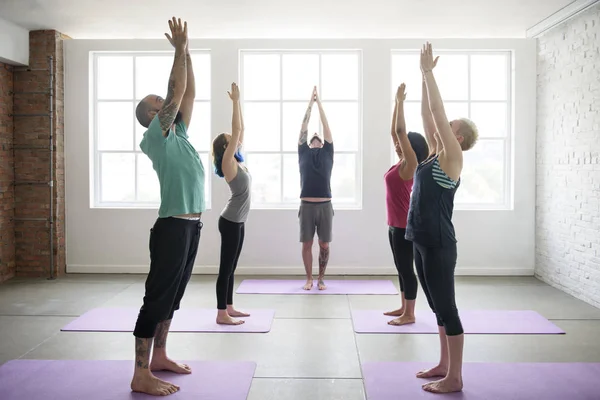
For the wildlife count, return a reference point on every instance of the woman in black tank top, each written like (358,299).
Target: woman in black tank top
(430,227)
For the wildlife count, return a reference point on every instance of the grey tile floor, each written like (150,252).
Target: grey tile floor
(311,351)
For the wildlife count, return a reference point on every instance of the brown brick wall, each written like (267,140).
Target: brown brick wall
(32,158)
(7,175)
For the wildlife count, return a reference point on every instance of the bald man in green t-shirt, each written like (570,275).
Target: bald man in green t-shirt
(175,235)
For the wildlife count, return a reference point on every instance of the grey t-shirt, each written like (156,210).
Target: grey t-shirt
(238,206)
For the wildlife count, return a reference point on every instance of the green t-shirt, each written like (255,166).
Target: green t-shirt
(179,169)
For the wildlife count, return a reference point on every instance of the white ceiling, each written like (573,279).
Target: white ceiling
(85,19)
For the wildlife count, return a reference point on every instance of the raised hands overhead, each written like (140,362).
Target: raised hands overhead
(234,94)
(178,36)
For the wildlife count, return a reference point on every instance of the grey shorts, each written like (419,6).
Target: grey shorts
(316,216)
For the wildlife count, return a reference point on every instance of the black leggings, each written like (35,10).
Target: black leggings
(435,267)
(402,251)
(232,240)
(173,247)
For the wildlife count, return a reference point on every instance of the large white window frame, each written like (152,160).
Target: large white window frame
(507,189)
(96,154)
(357,204)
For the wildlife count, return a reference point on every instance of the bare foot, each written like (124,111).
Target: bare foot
(166,364)
(149,384)
(444,385)
(403,320)
(235,313)
(308,285)
(227,320)
(438,370)
(395,313)
(321,285)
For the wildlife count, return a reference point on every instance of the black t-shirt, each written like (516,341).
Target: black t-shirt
(315,170)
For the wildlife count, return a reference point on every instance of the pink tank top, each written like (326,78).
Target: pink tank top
(397,197)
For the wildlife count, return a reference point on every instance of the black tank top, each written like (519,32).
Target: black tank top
(431,206)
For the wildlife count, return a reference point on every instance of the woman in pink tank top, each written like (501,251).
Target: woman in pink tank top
(411,149)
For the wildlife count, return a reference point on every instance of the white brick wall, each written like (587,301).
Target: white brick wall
(568,157)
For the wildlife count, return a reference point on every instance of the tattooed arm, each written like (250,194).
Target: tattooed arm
(178,78)
(326,131)
(304,129)
(187,102)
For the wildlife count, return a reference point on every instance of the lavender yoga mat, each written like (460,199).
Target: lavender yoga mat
(474,321)
(483,381)
(285,286)
(110,380)
(185,320)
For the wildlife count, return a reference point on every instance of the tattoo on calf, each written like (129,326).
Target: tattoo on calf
(160,336)
(142,352)
(323,260)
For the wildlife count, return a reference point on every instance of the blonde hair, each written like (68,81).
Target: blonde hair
(468,130)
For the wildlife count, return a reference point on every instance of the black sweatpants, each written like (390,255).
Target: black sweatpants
(232,240)
(402,251)
(435,267)
(173,248)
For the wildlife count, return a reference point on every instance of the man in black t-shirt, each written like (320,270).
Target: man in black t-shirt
(315,159)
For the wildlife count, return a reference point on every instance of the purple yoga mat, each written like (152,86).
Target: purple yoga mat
(285,286)
(110,380)
(474,321)
(482,381)
(185,320)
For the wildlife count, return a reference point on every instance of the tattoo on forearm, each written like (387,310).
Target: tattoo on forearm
(303,135)
(323,260)
(160,336)
(169,110)
(307,115)
(142,352)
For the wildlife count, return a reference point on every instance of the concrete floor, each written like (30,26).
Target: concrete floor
(311,351)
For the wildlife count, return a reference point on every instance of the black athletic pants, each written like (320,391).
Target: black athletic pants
(232,240)
(173,248)
(435,267)
(402,250)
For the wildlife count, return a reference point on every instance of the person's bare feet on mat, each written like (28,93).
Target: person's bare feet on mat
(445,385)
(169,365)
(395,313)
(150,384)
(402,320)
(308,285)
(438,370)
(227,320)
(321,285)
(235,313)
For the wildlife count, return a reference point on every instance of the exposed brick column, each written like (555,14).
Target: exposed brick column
(32,157)
(7,175)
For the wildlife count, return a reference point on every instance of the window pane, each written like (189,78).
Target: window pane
(262,124)
(343,122)
(115,78)
(293,114)
(456,110)
(291,178)
(343,178)
(199,132)
(452,76)
(490,118)
(489,77)
(147,181)
(406,68)
(152,75)
(300,74)
(412,117)
(115,126)
(266,177)
(208,171)
(483,174)
(117,177)
(339,79)
(201,64)
(261,77)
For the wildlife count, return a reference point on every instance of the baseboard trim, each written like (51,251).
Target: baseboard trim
(299,270)
(564,14)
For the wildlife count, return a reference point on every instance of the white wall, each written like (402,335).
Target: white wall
(490,242)
(14,43)
(568,157)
